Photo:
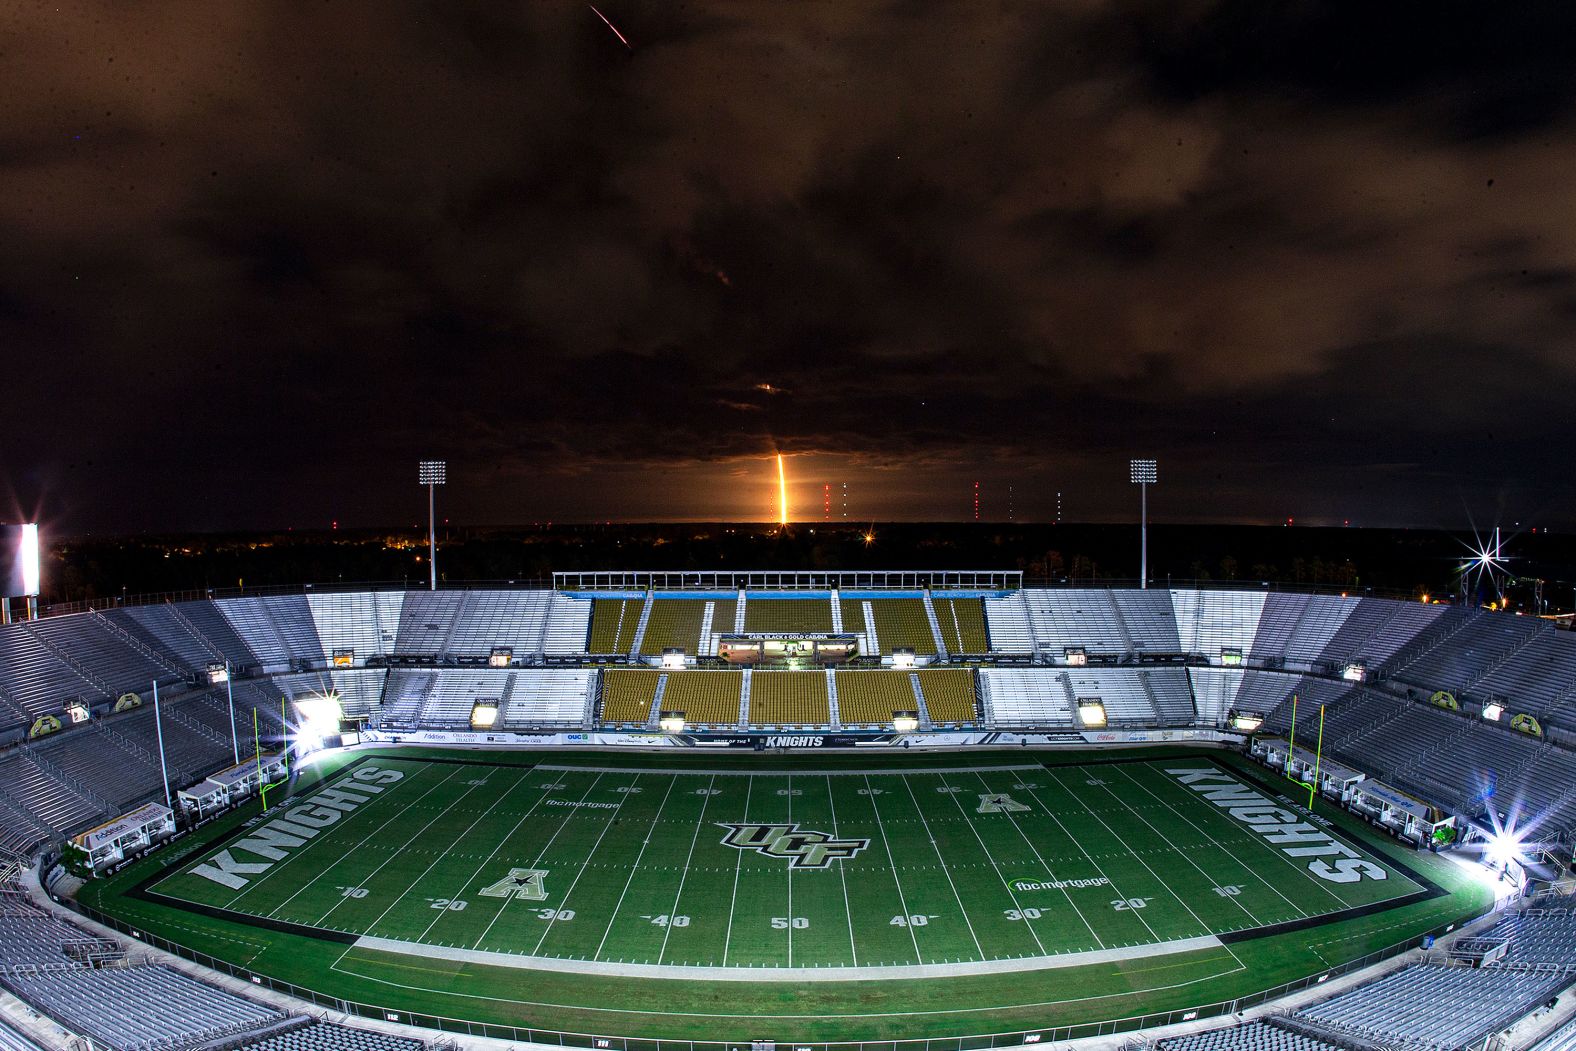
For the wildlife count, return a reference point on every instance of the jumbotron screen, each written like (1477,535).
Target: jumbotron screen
(18,560)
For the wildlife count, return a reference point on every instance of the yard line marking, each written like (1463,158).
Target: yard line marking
(320,837)
(1229,853)
(1263,846)
(992,858)
(1135,854)
(321,920)
(892,864)
(326,869)
(585,865)
(539,856)
(945,871)
(790,877)
(842,872)
(1046,864)
(443,854)
(644,843)
(738,863)
(684,875)
(489,858)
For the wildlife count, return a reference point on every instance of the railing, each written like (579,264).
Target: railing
(609,1042)
(108,602)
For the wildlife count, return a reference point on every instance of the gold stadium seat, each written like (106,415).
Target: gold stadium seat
(789,698)
(613,623)
(949,695)
(627,695)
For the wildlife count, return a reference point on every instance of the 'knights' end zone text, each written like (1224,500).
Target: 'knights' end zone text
(1295,837)
(275,839)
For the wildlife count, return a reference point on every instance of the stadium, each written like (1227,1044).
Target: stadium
(910,809)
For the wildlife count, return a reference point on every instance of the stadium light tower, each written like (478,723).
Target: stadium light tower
(1143,473)
(432,474)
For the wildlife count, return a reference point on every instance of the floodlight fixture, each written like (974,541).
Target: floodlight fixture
(905,722)
(31,576)
(432,473)
(1091,713)
(320,710)
(1505,848)
(484,714)
(1243,721)
(1143,473)
(320,715)
(672,722)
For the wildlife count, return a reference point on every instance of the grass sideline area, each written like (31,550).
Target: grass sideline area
(585,875)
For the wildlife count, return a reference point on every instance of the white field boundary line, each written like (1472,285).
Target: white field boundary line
(945,868)
(836,973)
(1012,895)
(678,896)
(897,881)
(995,1009)
(1253,876)
(895,772)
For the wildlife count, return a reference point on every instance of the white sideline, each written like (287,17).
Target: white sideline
(782,974)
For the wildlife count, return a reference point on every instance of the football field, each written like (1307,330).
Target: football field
(803,875)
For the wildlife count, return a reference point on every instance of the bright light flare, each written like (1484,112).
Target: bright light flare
(320,715)
(1504,849)
(30,571)
(782,492)
(320,712)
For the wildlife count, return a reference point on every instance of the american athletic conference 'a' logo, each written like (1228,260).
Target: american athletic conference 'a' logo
(804,848)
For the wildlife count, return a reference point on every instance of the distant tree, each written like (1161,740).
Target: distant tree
(1228,568)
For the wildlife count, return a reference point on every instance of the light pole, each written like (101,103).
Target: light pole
(229,689)
(1143,473)
(432,474)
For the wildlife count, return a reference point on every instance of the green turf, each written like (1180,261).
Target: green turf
(955,860)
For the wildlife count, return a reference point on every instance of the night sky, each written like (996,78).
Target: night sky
(257,259)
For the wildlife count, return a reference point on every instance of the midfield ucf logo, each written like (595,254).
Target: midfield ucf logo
(803,847)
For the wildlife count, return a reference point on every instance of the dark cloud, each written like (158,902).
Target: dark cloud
(254,261)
